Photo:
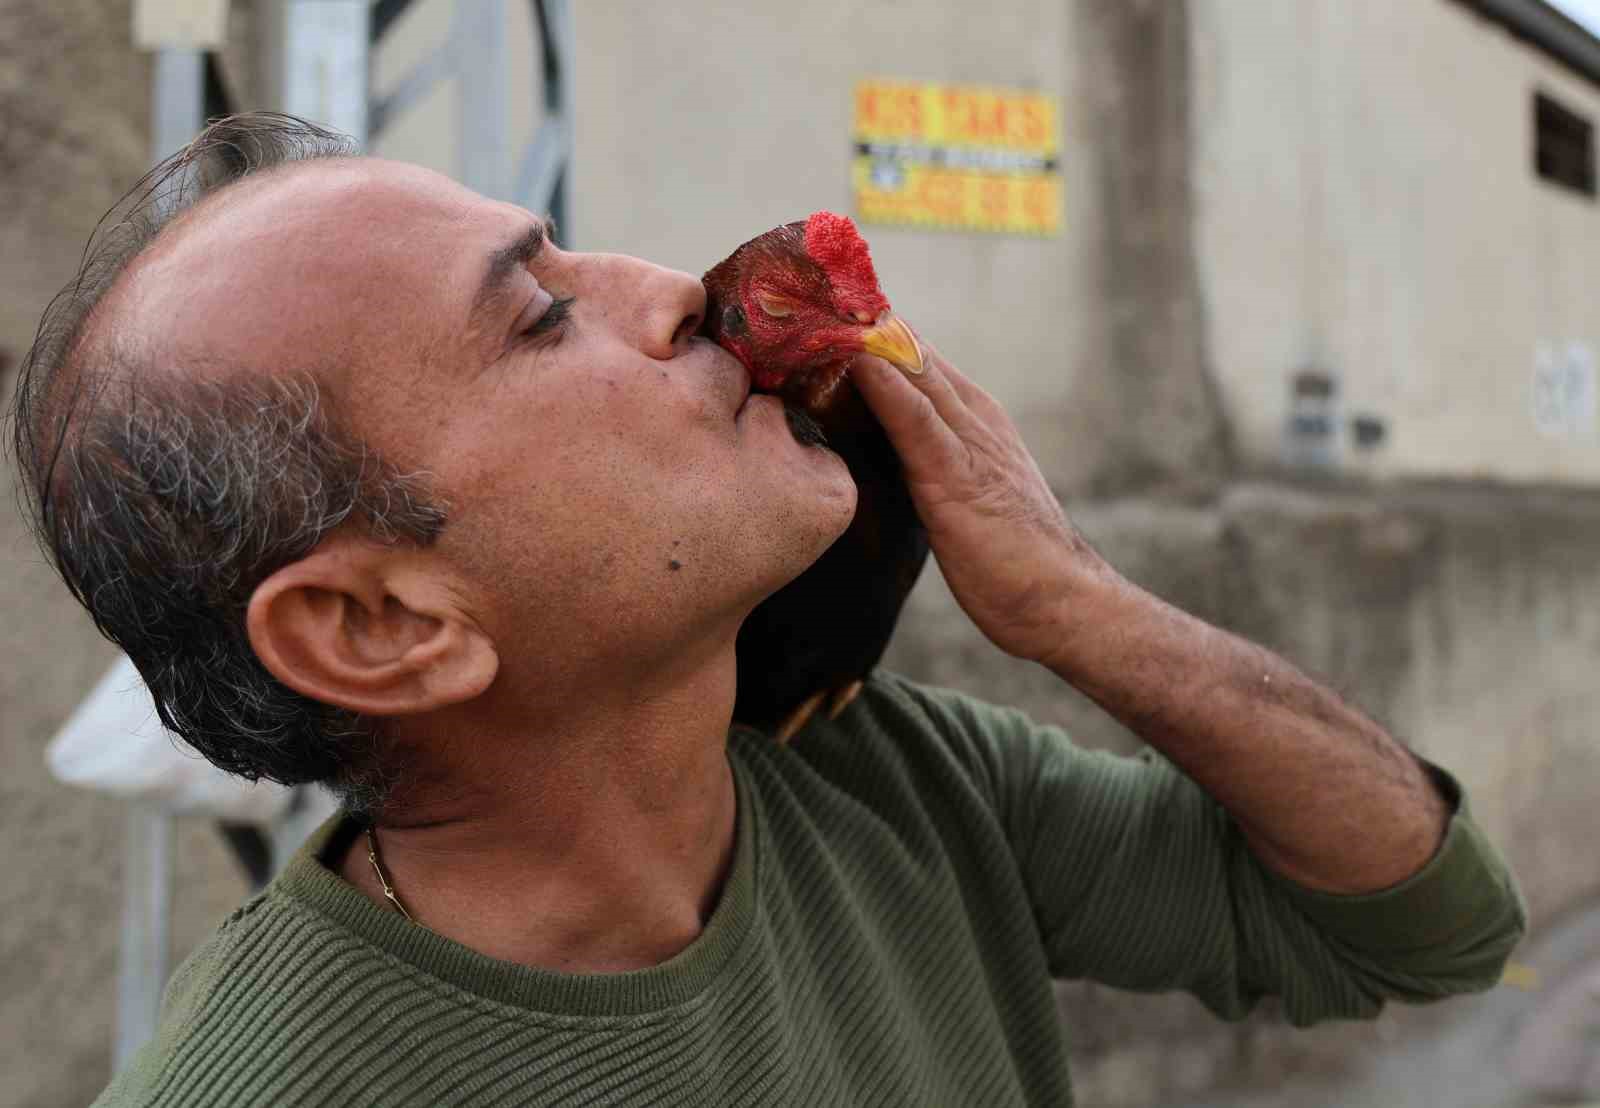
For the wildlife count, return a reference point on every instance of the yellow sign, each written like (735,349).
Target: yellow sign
(957,156)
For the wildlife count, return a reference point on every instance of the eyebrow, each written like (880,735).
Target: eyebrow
(507,260)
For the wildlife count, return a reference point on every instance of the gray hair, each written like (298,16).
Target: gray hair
(164,494)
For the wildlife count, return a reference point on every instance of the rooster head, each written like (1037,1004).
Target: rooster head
(796,304)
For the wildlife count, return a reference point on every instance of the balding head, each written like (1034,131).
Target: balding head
(172,461)
(300,268)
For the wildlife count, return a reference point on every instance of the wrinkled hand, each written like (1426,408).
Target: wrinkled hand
(1007,550)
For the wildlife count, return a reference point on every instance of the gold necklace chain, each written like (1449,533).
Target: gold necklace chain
(383,879)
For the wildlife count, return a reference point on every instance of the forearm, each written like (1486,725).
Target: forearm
(1323,794)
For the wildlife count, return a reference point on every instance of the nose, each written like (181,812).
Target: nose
(670,306)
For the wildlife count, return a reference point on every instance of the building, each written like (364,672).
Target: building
(1313,355)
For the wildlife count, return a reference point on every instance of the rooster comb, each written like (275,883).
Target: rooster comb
(833,242)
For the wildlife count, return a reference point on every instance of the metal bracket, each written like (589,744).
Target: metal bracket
(475,56)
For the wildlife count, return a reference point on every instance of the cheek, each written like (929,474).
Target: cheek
(836,502)
(602,466)
(603,453)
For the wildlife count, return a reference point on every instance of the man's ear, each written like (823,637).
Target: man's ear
(366,627)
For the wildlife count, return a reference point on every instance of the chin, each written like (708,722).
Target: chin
(813,508)
(835,504)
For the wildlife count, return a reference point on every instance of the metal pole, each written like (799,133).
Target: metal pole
(146,910)
(177,107)
(323,70)
(541,183)
(559,96)
(479,40)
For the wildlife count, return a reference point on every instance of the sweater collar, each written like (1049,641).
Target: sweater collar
(307,883)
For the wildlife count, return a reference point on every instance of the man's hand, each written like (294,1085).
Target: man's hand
(1323,794)
(1007,550)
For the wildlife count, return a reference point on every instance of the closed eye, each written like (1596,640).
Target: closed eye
(553,321)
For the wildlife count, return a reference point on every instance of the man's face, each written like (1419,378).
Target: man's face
(611,496)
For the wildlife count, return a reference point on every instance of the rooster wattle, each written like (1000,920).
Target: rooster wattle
(796,305)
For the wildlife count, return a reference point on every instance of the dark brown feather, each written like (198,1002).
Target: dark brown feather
(830,626)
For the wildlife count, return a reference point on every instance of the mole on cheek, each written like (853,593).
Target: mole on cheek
(674,565)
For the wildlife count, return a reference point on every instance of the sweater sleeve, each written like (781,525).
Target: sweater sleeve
(1138,879)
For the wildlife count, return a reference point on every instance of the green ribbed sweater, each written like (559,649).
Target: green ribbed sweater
(905,883)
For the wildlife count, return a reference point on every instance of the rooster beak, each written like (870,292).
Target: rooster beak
(891,340)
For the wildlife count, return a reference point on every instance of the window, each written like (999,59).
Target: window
(1563,145)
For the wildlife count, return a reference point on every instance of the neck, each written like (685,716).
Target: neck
(596,842)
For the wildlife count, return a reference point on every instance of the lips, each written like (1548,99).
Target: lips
(731,378)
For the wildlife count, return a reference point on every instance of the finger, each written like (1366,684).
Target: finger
(922,438)
(934,382)
(971,393)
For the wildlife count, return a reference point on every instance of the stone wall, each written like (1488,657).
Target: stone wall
(1367,211)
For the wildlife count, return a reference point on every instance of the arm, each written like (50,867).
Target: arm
(1138,879)
(1295,767)
(1323,796)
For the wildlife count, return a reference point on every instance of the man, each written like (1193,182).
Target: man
(379,487)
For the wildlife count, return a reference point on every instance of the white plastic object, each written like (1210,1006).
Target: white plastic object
(114,743)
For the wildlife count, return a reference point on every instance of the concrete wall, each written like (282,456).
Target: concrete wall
(694,135)
(1367,207)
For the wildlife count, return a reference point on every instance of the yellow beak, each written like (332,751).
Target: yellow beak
(891,340)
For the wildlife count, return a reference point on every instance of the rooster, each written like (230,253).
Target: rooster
(796,305)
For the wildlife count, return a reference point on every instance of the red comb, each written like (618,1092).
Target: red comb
(834,243)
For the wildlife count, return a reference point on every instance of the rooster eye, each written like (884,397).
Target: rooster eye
(734,322)
(774,306)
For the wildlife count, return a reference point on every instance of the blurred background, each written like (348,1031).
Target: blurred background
(1294,300)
